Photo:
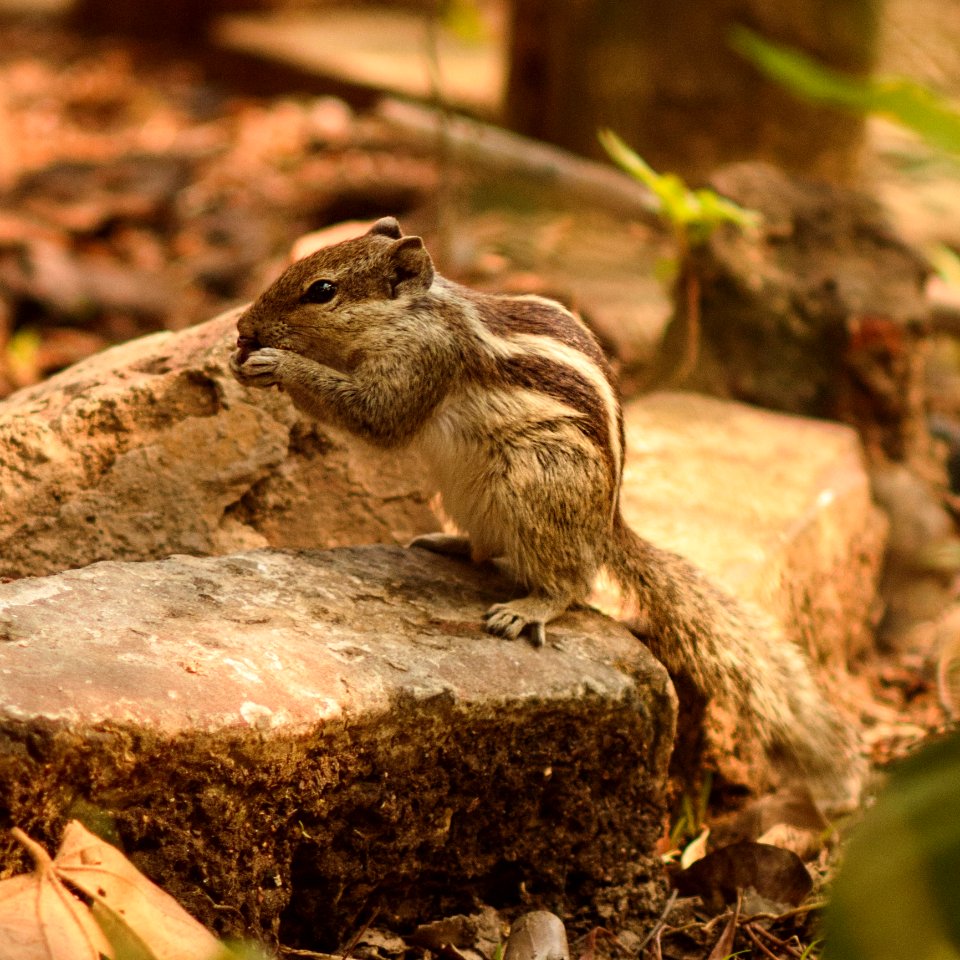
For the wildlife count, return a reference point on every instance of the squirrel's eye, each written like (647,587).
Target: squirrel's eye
(320,291)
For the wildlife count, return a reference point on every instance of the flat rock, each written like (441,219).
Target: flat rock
(152,448)
(288,734)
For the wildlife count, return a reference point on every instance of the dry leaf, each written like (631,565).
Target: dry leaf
(724,946)
(788,819)
(696,849)
(472,937)
(136,906)
(40,919)
(776,874)
(458,931)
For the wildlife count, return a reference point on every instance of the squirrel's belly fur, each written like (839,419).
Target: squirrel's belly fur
(523,482)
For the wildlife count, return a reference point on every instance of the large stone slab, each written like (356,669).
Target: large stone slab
(285,739)
(152,448)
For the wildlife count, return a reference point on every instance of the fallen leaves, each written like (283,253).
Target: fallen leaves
(743,883)
(40,919)
(775,874)
(89,902)
(539,935)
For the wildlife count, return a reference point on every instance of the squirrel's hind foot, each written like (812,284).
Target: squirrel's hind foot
(528,614)
(445,544)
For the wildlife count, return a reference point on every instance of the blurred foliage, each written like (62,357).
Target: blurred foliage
(904,101)
(946,262)
(692,815)
(464,20)
(692,214)
(20,356)
(897,895)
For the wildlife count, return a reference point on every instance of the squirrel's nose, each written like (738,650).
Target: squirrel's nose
(246,346)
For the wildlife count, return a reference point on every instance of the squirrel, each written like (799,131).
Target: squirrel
(515,410)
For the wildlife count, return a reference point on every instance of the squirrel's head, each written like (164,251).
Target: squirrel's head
(333,304)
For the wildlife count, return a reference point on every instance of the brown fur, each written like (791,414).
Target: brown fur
(513,405)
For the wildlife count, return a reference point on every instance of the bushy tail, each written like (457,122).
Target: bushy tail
(738,654)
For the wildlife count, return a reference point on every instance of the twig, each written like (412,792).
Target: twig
(782,944)
(657,949)
(660,924)
(355,939)
(724,945)
(713,921)
(590,942)
(495,149)
(691,349)
(758,943)
(309,954)
(795,912)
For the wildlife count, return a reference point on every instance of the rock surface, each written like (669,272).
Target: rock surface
(290,734)
(152,448)
(776,507)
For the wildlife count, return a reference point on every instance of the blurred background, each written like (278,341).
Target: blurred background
(157,161)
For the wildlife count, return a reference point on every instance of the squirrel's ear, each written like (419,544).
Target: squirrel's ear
(411,267)
(386,227)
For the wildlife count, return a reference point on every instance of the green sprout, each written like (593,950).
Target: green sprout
(692,216)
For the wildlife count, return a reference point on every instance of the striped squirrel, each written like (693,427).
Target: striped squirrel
(515,411)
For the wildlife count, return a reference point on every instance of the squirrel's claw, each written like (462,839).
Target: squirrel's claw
(503,621)
(529,614)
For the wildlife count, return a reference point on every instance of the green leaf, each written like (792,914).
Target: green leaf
(898,892)
(909,103)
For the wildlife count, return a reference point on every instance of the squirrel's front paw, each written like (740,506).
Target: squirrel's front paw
(261,368)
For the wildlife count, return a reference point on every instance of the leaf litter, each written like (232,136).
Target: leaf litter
(120,913)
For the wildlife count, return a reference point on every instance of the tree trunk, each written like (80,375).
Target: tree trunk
(661,73)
